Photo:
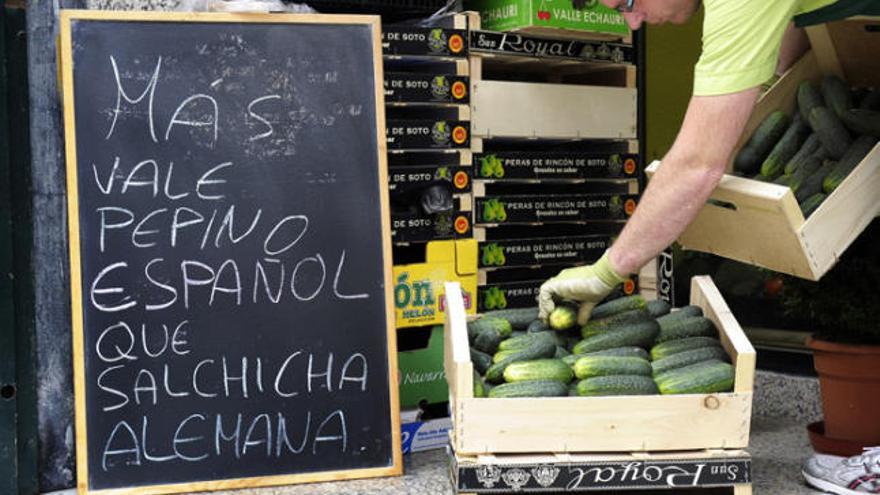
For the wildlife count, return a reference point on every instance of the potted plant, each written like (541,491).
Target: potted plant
(844,307)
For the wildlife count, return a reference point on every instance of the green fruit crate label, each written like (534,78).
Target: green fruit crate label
(409,227)
(428,134)
(426,88)
(511,15)
(432,42)
(519,44)
(532,252)
(537,165)
(553,209)
(525,294)
(402,180)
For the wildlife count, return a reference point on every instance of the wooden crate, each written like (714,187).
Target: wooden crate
(715,471)
(605,98)
(760,223)
(601,424)
(518,109)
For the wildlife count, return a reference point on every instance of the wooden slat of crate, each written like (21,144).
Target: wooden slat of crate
(466,156)
(553,111)
(604,472)
(767,228)
(601,424)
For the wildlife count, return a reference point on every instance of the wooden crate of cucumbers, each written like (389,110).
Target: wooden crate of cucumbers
(704,366)
(805,180)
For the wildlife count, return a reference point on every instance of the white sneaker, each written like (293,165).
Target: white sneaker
(855,475)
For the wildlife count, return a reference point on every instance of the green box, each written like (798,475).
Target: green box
(421,373)
(537,15)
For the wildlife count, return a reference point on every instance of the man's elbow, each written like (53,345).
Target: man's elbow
(700,166)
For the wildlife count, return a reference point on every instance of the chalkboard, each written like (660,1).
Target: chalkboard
(230,250)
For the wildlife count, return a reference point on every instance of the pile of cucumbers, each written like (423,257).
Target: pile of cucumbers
(815,149)
(629,347)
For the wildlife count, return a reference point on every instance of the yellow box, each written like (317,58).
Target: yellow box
(419,288)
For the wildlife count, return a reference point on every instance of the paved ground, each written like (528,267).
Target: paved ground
(778,449)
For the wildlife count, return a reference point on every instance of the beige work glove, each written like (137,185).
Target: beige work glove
(587,285)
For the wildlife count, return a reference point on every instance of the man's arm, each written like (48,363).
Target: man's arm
(690,171)
(794,44)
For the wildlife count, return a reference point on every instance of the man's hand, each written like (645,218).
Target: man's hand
(587,285)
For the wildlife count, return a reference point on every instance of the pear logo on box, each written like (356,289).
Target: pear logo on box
(615,165)
(437,41)
(440,133)
(440,87)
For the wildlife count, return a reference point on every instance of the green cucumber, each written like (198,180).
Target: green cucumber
(683,328)
(616,385)
(630,351)
(498,356)
(810,204)
(836,94)
(538,369)
(535,388)
(476,327)
(831,131)
(480,360)
(640,334)
(594,327)
(673,347)
(786,148)
(853,156)
(658,308)
(750,156)
(519,318)
(488,340)
(683,312)
(479,390)
(627,351)
(809,167)
(808,97)
(527,340)
(808,149)
(541,349)
(589,366)
(618,305)
(782,180)
(562,317)
(687,358)
(538,326)
(862,121)
(707,377)
(487,387)
(812,184)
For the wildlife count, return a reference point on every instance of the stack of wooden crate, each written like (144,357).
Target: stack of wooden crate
(556,168)
(428,131)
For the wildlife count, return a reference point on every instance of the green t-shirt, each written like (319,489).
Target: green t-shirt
(741,40)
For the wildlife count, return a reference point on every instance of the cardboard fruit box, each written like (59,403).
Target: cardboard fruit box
(760,223)
(419,297)
(601,424)
(550,17)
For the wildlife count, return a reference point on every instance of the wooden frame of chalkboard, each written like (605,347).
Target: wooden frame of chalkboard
(389,442)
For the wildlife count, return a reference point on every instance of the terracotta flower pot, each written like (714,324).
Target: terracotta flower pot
(849,376)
